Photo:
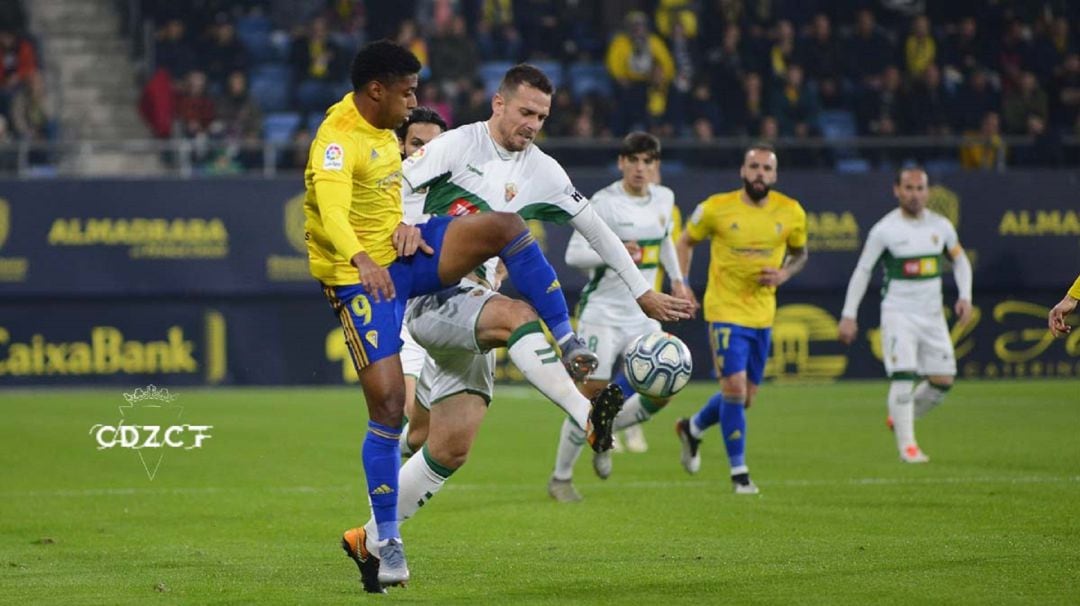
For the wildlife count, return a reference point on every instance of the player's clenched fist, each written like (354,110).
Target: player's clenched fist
(1058,326)
(848,328)
(375,278)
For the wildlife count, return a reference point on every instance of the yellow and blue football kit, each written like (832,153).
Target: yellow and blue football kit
(353,204)
(745,240)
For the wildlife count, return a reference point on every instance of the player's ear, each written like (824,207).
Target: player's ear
(497,103)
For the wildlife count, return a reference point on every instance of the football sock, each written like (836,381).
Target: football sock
(928,396)
(403,441)
(637,409)
(708,416)
(382,460)
(624,384)
(901,409)
(571,441)
(533,277)
(420,478)
(733,425)
(537,360)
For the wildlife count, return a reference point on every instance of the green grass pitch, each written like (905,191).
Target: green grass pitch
(256,514)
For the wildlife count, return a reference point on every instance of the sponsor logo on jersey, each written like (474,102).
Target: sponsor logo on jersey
(920,267)
(511,191)
(473,169)
(460,207)
(334,158)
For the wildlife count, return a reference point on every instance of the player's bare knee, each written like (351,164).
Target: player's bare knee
(941,381)
(519,313)
(450,453)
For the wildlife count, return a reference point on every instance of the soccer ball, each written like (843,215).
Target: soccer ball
(658,365)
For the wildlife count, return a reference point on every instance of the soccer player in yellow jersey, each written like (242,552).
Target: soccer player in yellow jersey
(758,243)
(1064,307)
(369,263)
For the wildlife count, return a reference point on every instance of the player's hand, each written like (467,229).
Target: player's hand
(963,311)
(773,276)
(407,239)
(682,291)
(374,278)
(848,329)
(634,249)
(665,308)
(1058,326)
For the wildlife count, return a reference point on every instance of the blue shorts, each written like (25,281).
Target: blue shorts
(738,348)
(373,329)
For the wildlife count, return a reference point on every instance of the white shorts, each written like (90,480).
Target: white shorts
(412,355)
(444,324)
(610,342)
(918,343)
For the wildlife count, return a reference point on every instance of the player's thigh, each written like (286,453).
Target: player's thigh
(465,383)
(472,239)
(730,348)
(936,355)
(455,421)
(447,320)
(412,355)
(899,342)
(759,340)
(372,328)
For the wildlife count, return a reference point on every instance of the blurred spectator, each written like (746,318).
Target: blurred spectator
(796,105)
(702,106)
(670,13)
(632,57)
(9,158)
(879,111)
(927,110)
(1045,148)
(782,52)
(769,129)
(497,39)
(157,104)
(194,107)
(172,51)
(319,67)
(295,156)
(964,50)
(727,67)
(744,117)
(1065,93)
(1028,99)
(869,51)
(476,106)
(222,54)
(409,37)
(19,66)
(432,96)
(563,113)
(683,52)
(920,49)
(821,59)
(453,53)
(974,100)
(29,112)
(237,116)
(984,150)
(541,28)
(1014,55)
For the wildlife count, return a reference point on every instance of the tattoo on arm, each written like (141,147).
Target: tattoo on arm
(796,260)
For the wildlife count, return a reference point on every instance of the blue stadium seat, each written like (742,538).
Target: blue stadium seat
(491,74)
(837,124)
(270,86)
(852,165)
(587,78)
(260,46)
(314,121)
(279,127)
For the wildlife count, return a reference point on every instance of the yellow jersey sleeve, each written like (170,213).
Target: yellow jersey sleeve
(699,226)
(334,158)
(1074,292)
(797,237)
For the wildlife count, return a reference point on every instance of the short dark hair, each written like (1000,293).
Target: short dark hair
(523,73)
(764,146)
(908,168)
(640,143)
(383,61)
(421,115)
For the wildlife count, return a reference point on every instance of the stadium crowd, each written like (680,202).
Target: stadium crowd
(24,112)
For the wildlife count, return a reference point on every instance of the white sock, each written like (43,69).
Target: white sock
(902,411)
(571,442)
(632,413)
(403,441)
(419,479)
(540,364)
(927,398)
(695,431)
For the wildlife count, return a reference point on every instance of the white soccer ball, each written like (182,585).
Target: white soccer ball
(658,365)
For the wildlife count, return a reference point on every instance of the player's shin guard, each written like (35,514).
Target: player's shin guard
(902,410)
(382,460)
(708,416)
(533,277)
(733,424)
(537,360)
(928,396)
(571,441)
(421,477)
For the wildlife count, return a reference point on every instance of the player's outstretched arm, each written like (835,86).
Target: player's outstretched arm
(963,275)
(1067,305)
(860,279)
